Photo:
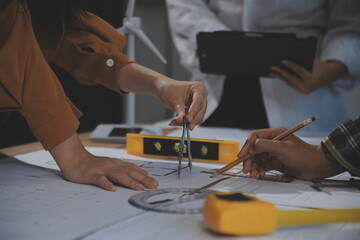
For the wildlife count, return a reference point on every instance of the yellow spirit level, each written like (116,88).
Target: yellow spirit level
(215,151)
(243,214)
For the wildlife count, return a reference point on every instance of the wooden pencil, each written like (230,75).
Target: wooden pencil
(279,137)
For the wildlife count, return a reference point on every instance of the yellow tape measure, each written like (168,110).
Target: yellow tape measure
(216,151)
(243,214)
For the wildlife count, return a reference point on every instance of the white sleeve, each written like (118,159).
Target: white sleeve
(342,40)
(186,19)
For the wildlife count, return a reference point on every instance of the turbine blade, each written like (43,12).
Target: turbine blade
(142,36)
(130,9)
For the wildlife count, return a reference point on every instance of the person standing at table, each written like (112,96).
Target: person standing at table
(35,33)
(284,99)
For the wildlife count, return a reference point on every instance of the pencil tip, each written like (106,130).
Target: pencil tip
(313,119)
(211,176)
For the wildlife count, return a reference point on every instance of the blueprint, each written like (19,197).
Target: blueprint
(36,203)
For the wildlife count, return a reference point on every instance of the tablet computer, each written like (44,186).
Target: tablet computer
(252,53)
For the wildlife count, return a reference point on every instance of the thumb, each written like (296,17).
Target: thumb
(244,150)
(180,112)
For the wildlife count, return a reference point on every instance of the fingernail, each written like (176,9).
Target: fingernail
(140,188)
(174,122)
(153,185)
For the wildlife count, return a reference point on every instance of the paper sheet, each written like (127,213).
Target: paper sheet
(36,203)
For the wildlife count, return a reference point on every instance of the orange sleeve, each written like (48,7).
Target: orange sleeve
(91,52)
(28,84)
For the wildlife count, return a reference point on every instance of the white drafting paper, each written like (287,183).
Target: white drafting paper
(36,203)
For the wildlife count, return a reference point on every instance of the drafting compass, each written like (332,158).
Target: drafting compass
(183,148)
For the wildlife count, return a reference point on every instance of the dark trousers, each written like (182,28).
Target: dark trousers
(241,105)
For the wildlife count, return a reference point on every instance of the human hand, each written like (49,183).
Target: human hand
(290,155)
(175,95)
(323,74)
(79,166)
(178,95)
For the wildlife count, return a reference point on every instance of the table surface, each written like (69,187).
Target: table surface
(125,221)
(84,137)
(35,146)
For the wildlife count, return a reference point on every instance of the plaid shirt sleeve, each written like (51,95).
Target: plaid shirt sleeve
(343,145)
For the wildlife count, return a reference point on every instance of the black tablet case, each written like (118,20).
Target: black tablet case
(252,53)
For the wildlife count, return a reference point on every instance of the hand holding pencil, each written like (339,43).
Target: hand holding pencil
(278,149)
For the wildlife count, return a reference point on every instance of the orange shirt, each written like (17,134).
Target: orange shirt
(91,52)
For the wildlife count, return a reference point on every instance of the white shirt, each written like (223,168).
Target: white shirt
(336,24)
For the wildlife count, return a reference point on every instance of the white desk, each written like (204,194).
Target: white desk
(36,203)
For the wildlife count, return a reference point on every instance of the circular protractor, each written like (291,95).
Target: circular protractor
(169,200)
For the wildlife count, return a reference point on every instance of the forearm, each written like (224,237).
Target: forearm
(344,48)
(332,71)
(338,69)
(66,153)
(141,80)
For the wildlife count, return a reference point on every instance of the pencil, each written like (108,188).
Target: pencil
(279,137)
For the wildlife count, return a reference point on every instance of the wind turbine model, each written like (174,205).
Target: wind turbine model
(117,132)
(132,27)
